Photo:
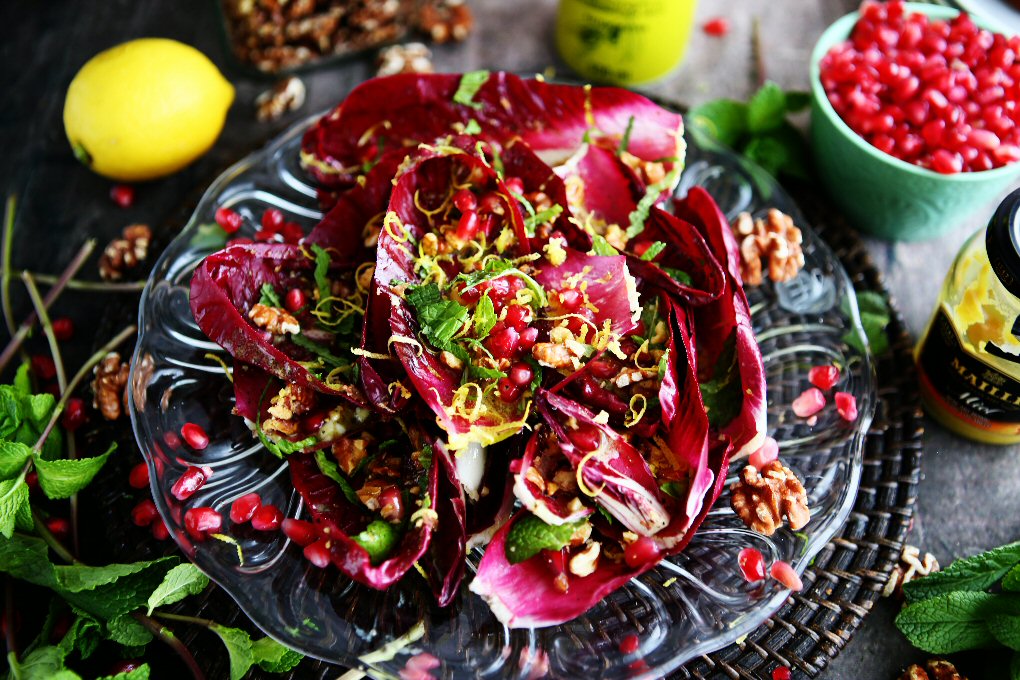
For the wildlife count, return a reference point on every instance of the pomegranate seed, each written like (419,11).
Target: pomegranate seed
(571,299)
(518,316)
(228,220)
(641,552)
(242,509)
(629,644)
(555,560)
(587,437)
(187,484)
(810,402)
(32,480)
(312,422)
(846,406)
(43,367)
(59,527)
(508,390)
(823,377)
(785,574)
(144,513)
(717,27)
(781,673)
(202,520)
(263,236)
(422,661)
(529,336)
(63,328)
(295,299)
(267,518)
(195,436)
(138,478)
(514,184)
(272,220)
(521,374)
(125,666)
(292,232)
(768,452)
(301,532)
(467,225)
(465,200)
(159,530)
(503,343)
(123,195)
(74,414)
(318,553)
(752,564)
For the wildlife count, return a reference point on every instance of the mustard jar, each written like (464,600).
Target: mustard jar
(968,358)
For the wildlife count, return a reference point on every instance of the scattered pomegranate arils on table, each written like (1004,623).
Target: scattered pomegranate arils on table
(191,481)
(43,367)
(195,436)
(244,507)
(272,220)
(74,415)
(752,564)
(123,195)
(768,452)
(781,673)
(202,520)
(144,514)
(63,328)
(630,643)
(229,220)
(159,530)
(846,406)
(823,377)
(786,575)
(810,402)
(138,478)
(716,27)
(59,527)
(300,531)
(267,518)
(938,94)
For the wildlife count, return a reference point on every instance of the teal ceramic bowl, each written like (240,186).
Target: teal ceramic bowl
(883,195)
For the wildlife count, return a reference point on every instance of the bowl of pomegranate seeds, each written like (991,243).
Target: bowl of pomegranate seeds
(915,117)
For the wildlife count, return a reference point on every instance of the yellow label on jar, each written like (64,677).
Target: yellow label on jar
(623,41)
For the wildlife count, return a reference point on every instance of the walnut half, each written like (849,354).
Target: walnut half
(775,239)
(763,500)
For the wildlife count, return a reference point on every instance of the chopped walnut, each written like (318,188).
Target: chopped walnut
(911,565)
(583,563)
(349,452)
(552,355)
(111,376)
(445,20)
(762,501)
(935,669)
(775,239)
(408,58)
(629,376)
(125,253)
(293,400)
(275,320)
(286,95)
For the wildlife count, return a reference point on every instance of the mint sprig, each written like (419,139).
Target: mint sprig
(529,536)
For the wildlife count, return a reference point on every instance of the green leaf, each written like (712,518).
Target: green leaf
(126,593)
(541,217)
(22,382)
(39,408)
(529,536)
(1006,629)
(209,237)
(653,251)
(484,372)
(273,657)
(140,673)
(239,647)
(11,411)
(679,275)
(725,120)
(439,319)
(332,470)
(76,578)
(1014,667)
(767,109)
(13,456)
(27,558)
(639,215)
(322,262)
(1011,581)
(13,499)
(82,637)
(470,83)
(947,623)
(320,351)
(180,582)
(485,317)
(126,630)
(472,127)
(723,394)
(63,478)
(797,100)
(600,246)
(976,573)
(269,296)
(625,142)
(43,663)
(780,151)
(378,539)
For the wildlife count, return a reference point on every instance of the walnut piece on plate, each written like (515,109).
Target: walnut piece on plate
(775,240)
(763,500)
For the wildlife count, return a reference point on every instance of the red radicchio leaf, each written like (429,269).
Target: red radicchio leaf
(610,287)
(444,561)
(629,491)
(402,110)
(533,497)
(491,510)
(524,595)
(250,384)
(378,375)
(726,323)
(228,283)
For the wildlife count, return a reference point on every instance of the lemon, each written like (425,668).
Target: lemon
(145,108)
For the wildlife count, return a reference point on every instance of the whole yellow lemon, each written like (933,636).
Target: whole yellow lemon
(145,108)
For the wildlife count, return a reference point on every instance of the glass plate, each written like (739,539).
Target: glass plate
(692,604)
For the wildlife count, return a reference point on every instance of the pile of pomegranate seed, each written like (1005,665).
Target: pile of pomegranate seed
(944,95)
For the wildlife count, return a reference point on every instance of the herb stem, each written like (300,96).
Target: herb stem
(5,263)
(167,637)
(56,546)
(758,65)
(205,623)
(26,326)
(12,642)
(78,377)
(94,286)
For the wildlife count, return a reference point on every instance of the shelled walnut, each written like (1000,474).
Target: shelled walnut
(126,252)
(763,500)
(934,669)
(407,58)
(910,566)
(774,240)
(445,20)
(111,376)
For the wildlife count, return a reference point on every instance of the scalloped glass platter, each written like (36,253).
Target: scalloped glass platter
(690,605)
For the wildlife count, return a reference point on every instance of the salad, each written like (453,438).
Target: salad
(503,333)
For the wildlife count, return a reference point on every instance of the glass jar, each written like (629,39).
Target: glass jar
(968,359)
(625,42)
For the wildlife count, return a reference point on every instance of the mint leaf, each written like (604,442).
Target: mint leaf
(269,296)
(140,673)
(639,215)
(679,275)
(332,470)
(439,319)
(472,127)
(600,246)
(529,536)
(797,100)
(82,637)
(485,317)
(875,316)
(239,647)
(38,408)
(322,262)
(485,372)
(1014,667)
(470,83)
(13,500)
(947,623)
(723,394)
(126,630)
(62,478)
(653,251)
(125,593)
(43,663)
(273,657)
(27,558)
(1011,581)
(1006,629)
(13,456)
(22,382)
(725,120)
(541,217)
(767,109)
(378,539)
(180,582)
(976,573)
(782,150)
(209,237)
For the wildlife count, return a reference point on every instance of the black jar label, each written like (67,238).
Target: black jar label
(971,388)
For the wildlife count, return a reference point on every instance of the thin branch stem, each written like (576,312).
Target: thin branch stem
(167,637)
(56,546)
(12,641)
(205,623)
(47,325)
(5,263)
(78,377)
(26,326)
(758,65)
(94,286)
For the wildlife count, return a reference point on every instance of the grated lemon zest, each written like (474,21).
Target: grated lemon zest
(391,219)
(635,414)
(581,484)
(370,355)
(227,371)
(407,341)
